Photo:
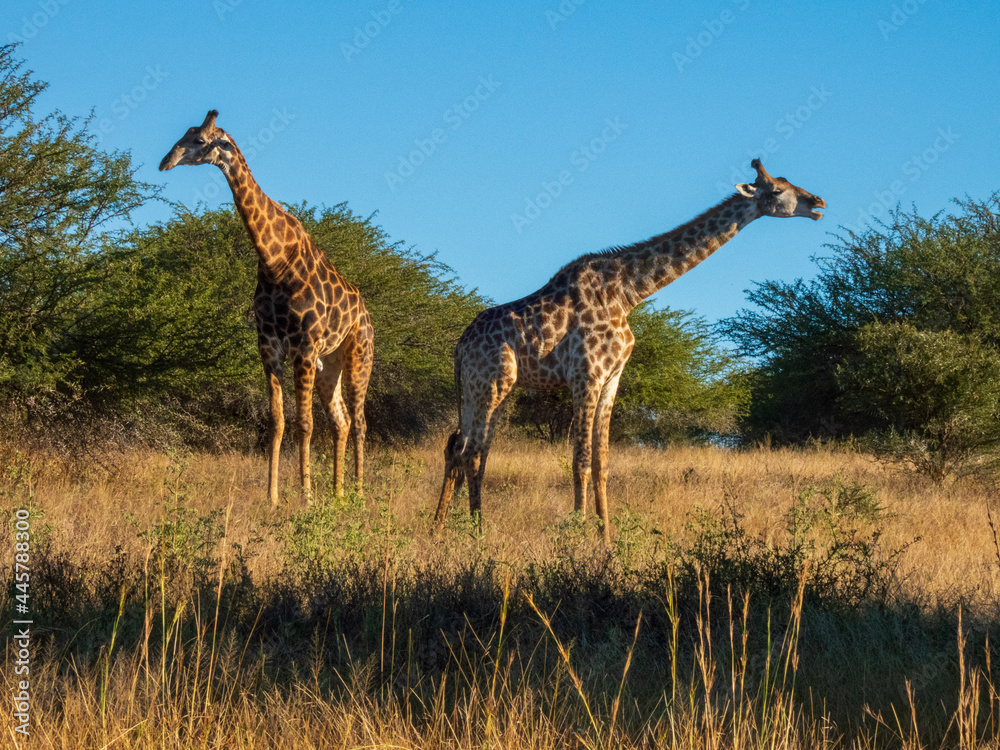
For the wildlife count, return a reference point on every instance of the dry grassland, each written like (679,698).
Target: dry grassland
(406,641)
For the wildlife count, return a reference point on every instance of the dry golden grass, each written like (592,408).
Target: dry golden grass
(182,679)
(528,489)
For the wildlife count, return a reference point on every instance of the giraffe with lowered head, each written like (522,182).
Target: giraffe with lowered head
(573,333)
(305,311)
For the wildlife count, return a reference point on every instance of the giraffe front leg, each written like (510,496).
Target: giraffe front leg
(602,426)
(600,473)
(586,405)
(277,432)
(305,372)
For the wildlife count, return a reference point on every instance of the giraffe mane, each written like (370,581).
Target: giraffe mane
(617,250)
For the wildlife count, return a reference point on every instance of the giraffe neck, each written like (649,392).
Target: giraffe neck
(647,267)
(266,221)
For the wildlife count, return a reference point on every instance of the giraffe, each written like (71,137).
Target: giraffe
(573,333)
(305,310)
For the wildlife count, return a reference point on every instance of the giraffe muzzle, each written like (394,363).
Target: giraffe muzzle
(814,214)
(169,162)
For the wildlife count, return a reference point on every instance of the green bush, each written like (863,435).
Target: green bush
(929,398)
(936,275)
(833,538)
(62,205)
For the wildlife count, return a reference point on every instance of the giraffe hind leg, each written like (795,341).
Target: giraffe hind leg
(359,356)
(485,423)
(277,432)
(328,385)
(305,373)
(465,455)
(454,474)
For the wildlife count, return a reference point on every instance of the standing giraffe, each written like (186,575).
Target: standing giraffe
(305,310)
(573,333)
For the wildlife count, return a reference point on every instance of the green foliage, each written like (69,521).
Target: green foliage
(192,343)
(418,311)
(317,535)
(637,542)
(930,398)
(462,530)
(333,529)
(60,198)
(170,345)
(833,537)
(937,274)
(573,536)
(679,385)
(177,320)
(186,549)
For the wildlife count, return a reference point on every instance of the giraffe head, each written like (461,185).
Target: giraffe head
(203,144)
(776,196)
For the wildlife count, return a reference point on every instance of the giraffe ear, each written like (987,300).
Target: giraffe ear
(746,190)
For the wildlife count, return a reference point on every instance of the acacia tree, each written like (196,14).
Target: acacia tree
(921,291)
(929,398)
(60,198)
(190,344)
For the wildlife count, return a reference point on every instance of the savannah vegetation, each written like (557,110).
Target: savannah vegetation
(803,498)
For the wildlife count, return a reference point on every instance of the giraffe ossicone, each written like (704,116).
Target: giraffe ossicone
(304,309)
(573,333)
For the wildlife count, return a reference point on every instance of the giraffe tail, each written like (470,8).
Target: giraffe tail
(454,474)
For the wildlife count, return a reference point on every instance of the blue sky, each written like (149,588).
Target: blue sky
(511,138)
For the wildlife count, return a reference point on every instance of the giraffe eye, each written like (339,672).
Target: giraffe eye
(200,141)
